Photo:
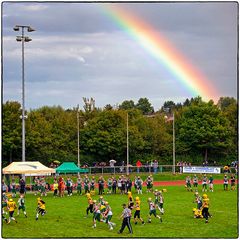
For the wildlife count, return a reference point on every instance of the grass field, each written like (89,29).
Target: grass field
(65,217)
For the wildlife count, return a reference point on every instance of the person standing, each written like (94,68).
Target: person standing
(4,187)
(233,182)
(137,212)
(69,186)
(155,166)
(86,184)
(225,183)
(188,183)
(126,216)
(22,186)
(92,184)
(114,185)
(138,164)
(139,185)
(21,205)
(79,186)
(100,185)
(210,183)
(195,182)
(55,188)
(204,183)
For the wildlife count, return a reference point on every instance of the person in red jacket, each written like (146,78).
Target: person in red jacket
(138,164)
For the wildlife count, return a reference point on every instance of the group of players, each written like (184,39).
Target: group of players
(9,206)
(102,212)
(208,182)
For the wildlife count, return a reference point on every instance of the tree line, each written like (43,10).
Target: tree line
(204,131)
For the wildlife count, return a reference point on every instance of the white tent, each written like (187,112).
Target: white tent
(27,168)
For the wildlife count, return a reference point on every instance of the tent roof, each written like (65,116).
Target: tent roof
(69,167)
(27,168)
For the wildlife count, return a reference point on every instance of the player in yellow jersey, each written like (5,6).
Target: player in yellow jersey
(90,204)
(137,212)
(130,200)
(205,207)
(197,213)
(41,208)
(11,206)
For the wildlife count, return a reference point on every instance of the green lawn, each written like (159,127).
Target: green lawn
(65,217)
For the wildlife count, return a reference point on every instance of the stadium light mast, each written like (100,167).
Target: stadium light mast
(78,136)
(22,38)
(173,137)
(127,149)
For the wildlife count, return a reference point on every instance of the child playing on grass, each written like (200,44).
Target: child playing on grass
(210,183)
(107,216)
(130,201)
(188,183)
(41,208)
(79,186)
(137,212)
(11,206)
(225,183)
(204,183)
(90,204)
(21,205)
(195,182)
(139,183)
(96,213)
(152,210)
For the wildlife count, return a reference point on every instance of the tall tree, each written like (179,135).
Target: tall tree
(145,106)
(11,132)
(204,128)
(127,104)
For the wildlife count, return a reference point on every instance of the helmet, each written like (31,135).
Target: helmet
(204,195)
(160,191)
(38,198)
(101,197)
(88,194)
(156,190)
(129,193)
(137,198)
(149,199)
(94,201)
(10,200)
(194,209)
(106,203)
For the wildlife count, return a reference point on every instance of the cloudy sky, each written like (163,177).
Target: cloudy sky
(78,50)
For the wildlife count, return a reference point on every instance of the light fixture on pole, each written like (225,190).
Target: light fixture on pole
(127,169)
(173,129)
(23,39)
(78,137)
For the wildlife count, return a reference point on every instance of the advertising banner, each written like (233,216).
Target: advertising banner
(212,170)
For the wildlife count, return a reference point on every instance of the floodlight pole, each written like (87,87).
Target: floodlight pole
(78,137)
(127,168)
(23,39)
(174,157)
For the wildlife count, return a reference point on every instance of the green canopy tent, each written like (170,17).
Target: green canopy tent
(70,167)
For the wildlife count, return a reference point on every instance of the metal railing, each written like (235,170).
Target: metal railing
(141,170)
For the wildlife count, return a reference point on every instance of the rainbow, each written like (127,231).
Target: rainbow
(163,51)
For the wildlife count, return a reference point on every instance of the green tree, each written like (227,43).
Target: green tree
(203,128)
(127,104)
(11,132)
(145,106)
